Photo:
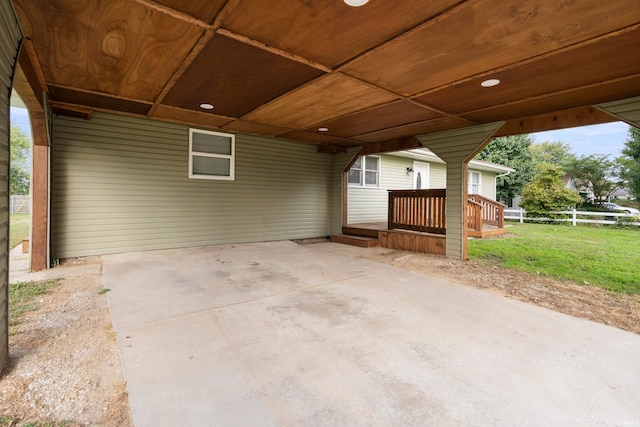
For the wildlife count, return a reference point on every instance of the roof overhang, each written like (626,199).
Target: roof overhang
(328,74)
(426,155)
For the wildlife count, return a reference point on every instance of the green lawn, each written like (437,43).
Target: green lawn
(604,257)
(18,228)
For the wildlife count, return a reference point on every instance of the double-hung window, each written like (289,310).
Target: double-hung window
(211,155)
(365,172)
(474,183)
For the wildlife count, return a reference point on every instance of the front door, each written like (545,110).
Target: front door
(420,175)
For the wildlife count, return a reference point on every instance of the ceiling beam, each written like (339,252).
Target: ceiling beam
(430,21)
(33,63)
(174,13)
(574,117)
(389,146)
(192,56)
(272,49)
(27,84)
(206,37)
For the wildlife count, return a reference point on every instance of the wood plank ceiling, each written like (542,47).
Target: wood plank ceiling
(375,75)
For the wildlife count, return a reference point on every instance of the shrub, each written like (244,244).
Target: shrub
(546,192)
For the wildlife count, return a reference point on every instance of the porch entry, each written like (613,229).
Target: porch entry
(420,175)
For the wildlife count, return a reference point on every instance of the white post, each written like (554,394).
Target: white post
(574,216)
(521,215)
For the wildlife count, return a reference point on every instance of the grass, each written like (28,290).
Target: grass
(604,257)
(18,228)
(23,295)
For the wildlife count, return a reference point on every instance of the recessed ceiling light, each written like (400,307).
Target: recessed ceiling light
(356,3)
(323,129)
(490,83)
(206,106)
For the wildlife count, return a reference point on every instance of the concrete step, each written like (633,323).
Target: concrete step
(361,241)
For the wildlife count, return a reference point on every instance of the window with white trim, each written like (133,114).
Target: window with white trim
(474,183)
(211,155)
(365,172)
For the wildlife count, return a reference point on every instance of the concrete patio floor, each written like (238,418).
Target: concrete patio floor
(282,334)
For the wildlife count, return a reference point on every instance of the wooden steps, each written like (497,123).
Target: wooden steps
(360,241)
(490,232)
(358,231)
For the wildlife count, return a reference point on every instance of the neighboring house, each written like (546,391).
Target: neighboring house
(584,191)
(569,183)
(620,193)
(371,177)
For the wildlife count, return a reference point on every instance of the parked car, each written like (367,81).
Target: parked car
(614,207)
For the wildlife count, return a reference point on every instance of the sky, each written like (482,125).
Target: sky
(20,117)
(608,138)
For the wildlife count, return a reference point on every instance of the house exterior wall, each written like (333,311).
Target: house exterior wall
(487,183)
(366,204)
(10,39)
(120,184)
(438,175)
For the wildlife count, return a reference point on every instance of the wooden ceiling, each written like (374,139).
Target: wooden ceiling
(375,75)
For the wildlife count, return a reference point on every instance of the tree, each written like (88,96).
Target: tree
(555,153)
(597,173)
(512,151)
(546,192)
(630,162)
(20,161)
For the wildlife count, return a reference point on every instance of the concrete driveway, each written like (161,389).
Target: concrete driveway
(276,333)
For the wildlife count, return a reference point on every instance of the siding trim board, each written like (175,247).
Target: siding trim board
(121,185)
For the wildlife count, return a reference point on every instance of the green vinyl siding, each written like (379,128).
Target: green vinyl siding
(456,147)
(121,184)
(10,39)
(368,204)
(455,210)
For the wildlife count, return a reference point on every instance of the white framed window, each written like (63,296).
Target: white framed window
(211,155)
(365,172)
(474,183)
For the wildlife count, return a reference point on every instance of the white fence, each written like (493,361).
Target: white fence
(20,204)
(574,217)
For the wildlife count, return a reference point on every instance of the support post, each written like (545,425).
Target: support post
(456,147)
(457,229)
(39,192)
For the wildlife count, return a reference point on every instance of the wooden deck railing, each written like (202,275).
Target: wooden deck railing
(474,215)
(418,210)
(424,210)
(492,211)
